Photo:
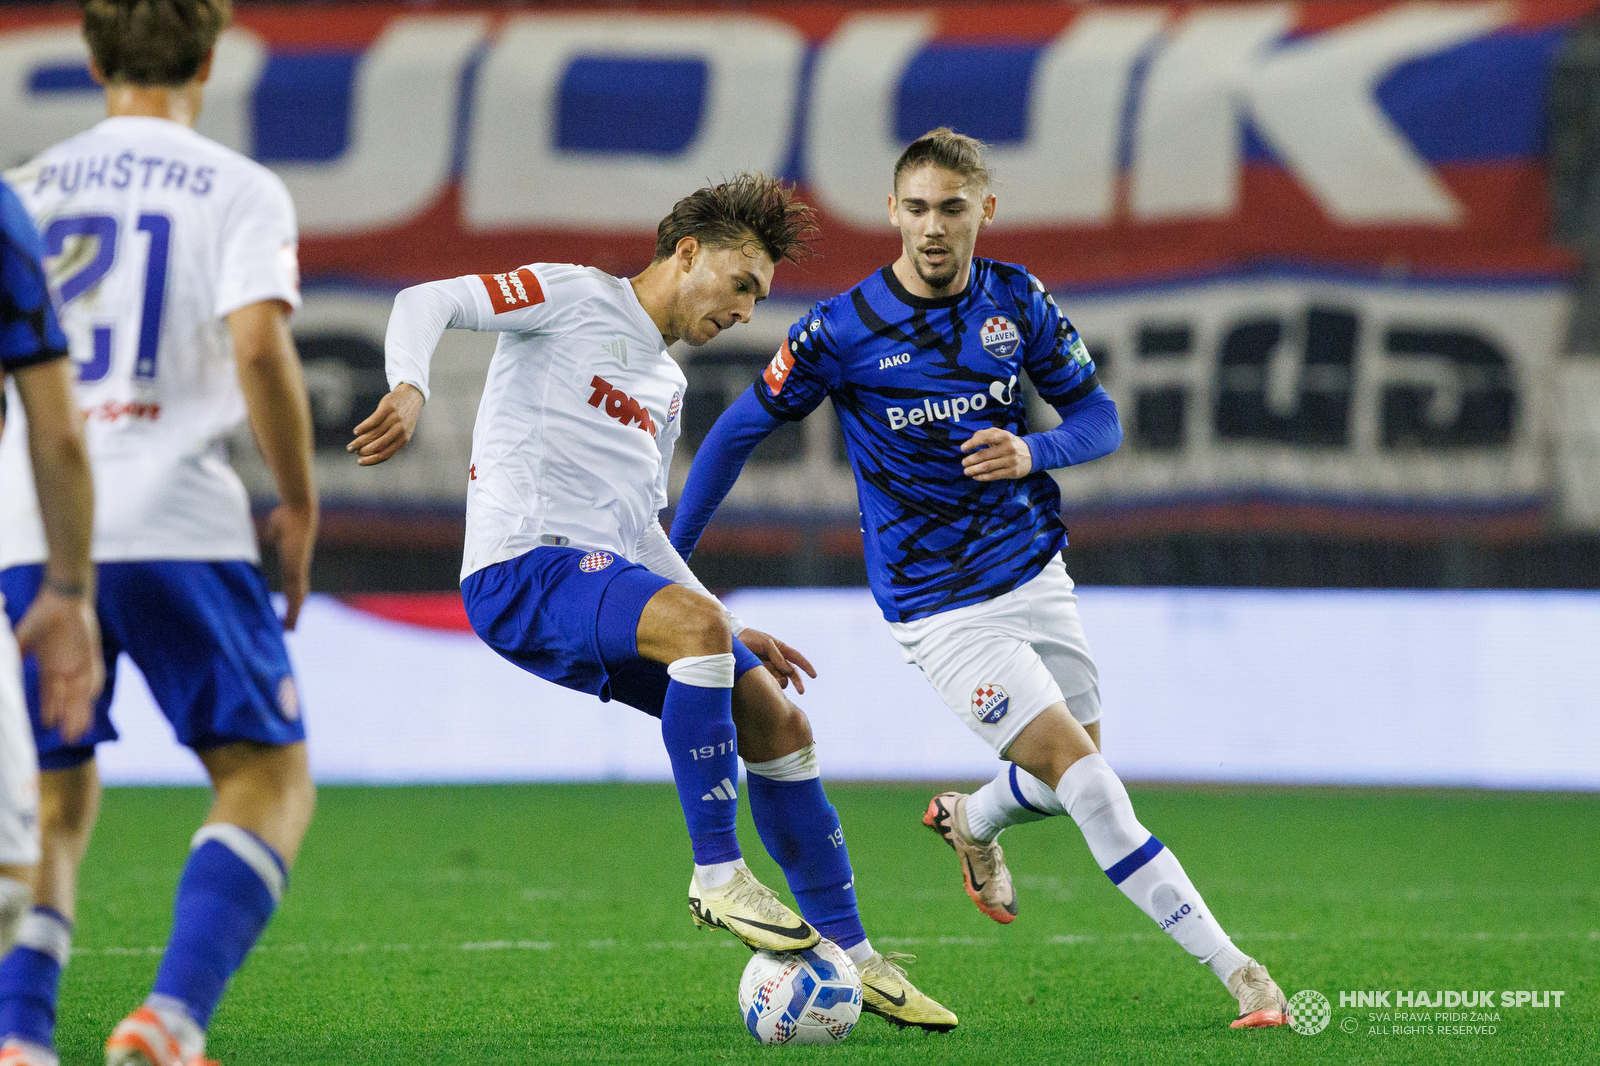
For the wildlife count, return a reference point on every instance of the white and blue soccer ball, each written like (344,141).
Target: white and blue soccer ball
(800,997)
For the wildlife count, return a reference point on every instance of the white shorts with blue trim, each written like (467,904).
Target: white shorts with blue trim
(19,766)
(999,663)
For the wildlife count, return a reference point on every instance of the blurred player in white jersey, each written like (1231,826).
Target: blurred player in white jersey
(174,260)
(59,630)
(568,573)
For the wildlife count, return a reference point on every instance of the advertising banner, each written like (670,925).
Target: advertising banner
(1307,243)
(1304,687)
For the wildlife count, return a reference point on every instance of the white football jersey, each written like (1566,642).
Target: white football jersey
(152,235)
(579,415)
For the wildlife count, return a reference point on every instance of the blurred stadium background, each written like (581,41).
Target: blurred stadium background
(1334,260)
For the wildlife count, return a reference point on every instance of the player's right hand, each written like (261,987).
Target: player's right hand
(389,428)
(63,635)
(293,530)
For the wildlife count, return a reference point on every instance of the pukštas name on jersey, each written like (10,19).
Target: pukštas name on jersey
(153,235)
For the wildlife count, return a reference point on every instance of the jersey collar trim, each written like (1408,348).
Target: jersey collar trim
(927,303)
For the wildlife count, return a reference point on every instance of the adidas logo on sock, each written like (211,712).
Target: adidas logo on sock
(724,791)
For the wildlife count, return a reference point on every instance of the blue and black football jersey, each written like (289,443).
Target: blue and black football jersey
(911,379)
(29,332)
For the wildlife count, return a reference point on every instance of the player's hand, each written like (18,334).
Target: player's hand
(996,455)
(389,428)
(63,635)
(293,529)
(784,662)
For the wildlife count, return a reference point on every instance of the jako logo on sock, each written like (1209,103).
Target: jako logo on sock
(1176,916)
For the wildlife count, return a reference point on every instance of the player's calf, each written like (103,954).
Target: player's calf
(1147,872)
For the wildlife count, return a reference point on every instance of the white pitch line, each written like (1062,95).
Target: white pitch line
(713,943)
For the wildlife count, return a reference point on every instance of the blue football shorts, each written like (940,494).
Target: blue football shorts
(572,617)
(207,640)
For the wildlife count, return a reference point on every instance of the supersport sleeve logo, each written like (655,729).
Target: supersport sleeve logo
(777,372)
(508,292)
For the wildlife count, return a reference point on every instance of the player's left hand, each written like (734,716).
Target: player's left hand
(63,635)
(784,662)
(996,455)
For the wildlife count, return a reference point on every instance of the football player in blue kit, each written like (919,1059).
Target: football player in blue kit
(963,532)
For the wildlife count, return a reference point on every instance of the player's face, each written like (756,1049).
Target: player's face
(939,214)
(720,287)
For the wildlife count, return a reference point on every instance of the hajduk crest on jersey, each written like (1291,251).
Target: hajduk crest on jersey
(999,336)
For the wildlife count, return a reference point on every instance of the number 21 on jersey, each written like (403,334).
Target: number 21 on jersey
(105,231)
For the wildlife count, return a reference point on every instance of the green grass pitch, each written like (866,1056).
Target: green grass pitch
(548,924)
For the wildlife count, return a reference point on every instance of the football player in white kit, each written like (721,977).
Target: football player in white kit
(59,630)
(568,573)
(174,260)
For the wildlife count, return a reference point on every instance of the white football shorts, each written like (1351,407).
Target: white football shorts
(19,765)
(999,663)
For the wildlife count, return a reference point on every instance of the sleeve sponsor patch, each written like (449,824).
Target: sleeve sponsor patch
(777,372)
(1077,351)
(508,292)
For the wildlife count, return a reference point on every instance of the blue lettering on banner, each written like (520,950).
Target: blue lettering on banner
(626,105)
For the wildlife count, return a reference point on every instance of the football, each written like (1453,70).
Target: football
(804,997)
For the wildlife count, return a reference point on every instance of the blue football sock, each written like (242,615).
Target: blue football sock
(697,728)
(229,888)
(801,831)
(30,976)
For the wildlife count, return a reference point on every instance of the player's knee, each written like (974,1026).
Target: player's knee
(703,629)
(69,805)
(769,726)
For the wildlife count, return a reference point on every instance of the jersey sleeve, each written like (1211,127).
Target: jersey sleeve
(803,371)
(517,301)
(29,332)
(1057,362)
(667,443)
(513,302)
(260,248)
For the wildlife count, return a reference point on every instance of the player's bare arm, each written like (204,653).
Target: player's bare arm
(274,389)
(60,628)
(389,427)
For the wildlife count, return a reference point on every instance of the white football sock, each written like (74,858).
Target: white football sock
(1014,797)
(1140,865)
(860,953)
(180,1023)
(717,874)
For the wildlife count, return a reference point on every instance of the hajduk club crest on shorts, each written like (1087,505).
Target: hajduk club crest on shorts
(999,336)
(990,703)
(595,561)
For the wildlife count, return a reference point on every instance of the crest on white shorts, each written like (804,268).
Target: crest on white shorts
(596,561)
(990,703)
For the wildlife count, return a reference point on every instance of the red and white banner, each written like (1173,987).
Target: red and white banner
(1131,141)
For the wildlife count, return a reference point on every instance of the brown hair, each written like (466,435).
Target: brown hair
(946,148)
(153,42)
(748,207)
